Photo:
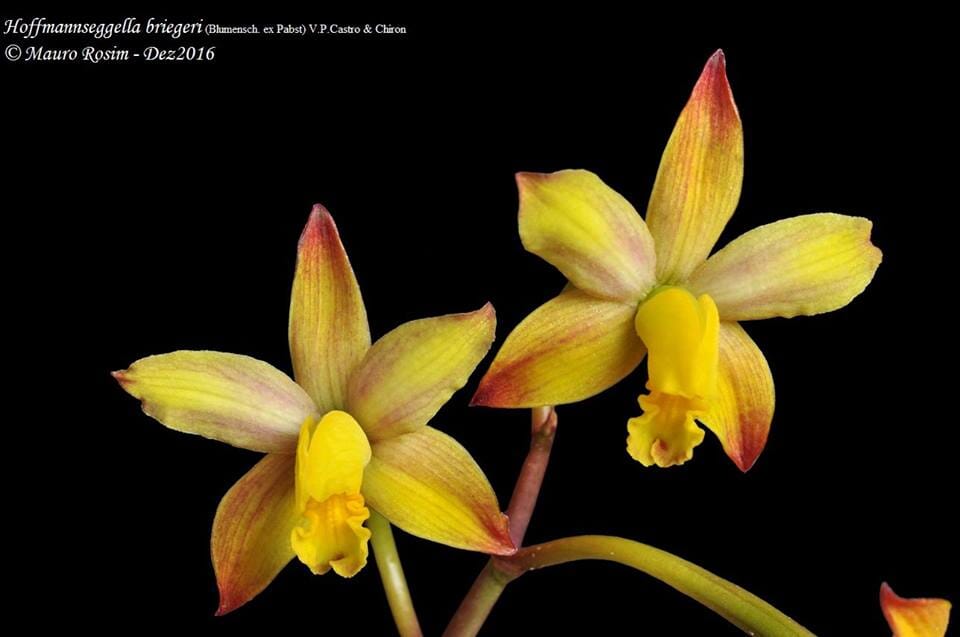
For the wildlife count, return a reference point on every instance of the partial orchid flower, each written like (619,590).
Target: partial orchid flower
(350,432)
(639,288)
(917,617)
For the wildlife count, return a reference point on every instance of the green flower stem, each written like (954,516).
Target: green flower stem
(738,606)
(391,572)
(741,608)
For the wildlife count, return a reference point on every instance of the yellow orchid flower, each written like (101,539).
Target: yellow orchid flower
(647,288)
(350,432)
(916,617)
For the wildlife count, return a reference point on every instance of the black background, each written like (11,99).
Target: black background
(154,208)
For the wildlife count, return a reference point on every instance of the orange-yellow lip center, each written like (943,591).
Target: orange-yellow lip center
(331,456)
(681,334)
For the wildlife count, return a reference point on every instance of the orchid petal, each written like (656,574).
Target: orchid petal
(798,266)
(917,617)
(228,397)
(328,322)
(588,231)
(413,370)
(741,413)
(427,484)
(698,182)
(250,543)
(568,349)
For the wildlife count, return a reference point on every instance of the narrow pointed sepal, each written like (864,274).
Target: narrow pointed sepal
(917,617)
(250,542)
(427,484)
(698,183)
(328,329)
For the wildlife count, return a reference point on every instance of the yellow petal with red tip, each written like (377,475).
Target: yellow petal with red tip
(698,182)
(250,542)
(228,397)
(917,617)
(588,231)
(328,328)
(568,349)
(798,266)
(741,413)
(427,484)
(413,370)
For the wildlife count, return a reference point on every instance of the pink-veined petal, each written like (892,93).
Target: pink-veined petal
(414,369)
(228,397)
(741,414)
(328,322)
(588,231)
(698,182)
(427,484)
(568,349)
(250,542)
(798,266)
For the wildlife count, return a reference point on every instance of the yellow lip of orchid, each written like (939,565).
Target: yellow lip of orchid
(349,434)
(642,288)
(681,334)
(332,453)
